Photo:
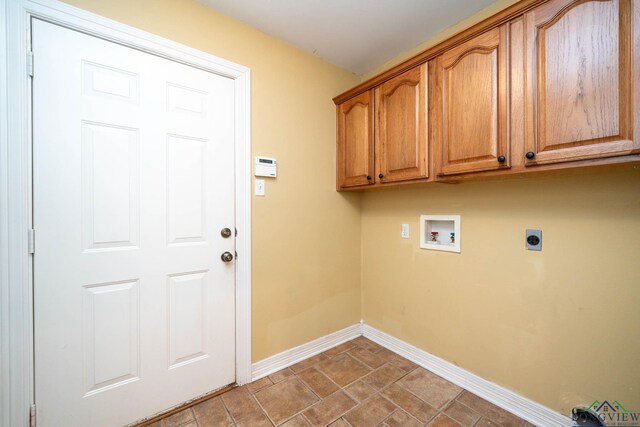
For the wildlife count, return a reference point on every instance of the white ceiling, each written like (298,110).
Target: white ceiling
(358,35)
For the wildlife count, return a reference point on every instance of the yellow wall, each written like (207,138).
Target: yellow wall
(306,237)
(558,326)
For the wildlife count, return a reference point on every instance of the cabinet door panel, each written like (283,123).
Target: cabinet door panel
(579,59)
(355,161)
(402,126)
(473,84)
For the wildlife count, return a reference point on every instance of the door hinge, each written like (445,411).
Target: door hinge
(31,241)
(32,416)
(30,64)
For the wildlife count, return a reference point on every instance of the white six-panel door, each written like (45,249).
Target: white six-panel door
(132,183)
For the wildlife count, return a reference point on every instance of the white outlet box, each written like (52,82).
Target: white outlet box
(404,231)
(440,232)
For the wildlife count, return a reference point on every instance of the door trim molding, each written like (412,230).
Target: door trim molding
(16,314)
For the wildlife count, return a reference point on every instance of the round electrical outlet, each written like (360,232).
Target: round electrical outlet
(533,240)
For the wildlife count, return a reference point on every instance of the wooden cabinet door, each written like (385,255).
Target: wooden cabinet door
(579,99)
(355,151)
(472,110)
(401,127)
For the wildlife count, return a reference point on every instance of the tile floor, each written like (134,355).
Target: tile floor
(356,384)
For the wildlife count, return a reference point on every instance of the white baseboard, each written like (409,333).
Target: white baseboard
(518,405)
(524,408)
(289,357)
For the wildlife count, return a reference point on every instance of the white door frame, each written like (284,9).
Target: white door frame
(16,298)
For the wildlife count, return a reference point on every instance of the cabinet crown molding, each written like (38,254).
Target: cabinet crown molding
(505,15)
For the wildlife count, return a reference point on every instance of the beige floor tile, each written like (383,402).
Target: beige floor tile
(356,384)
(339,349)
(330,409)
(339,423)
(259,419)
(383,376)
(371,412)
(401,419)
(485,422)
(212,413)
(285,399)
(179,419)
(462,414)
(410,403)
(343,369)
(297,421)
(443,421)
(368,358)
(281,375)
(396,360)
(307,363)
(368,344)
(434,390)
(239,403)
(489,410)
(259,384)
(318,382)
(360,391)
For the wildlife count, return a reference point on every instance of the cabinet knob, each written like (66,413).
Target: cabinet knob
(530,155)
(368,177)
(381,176)
(501,159)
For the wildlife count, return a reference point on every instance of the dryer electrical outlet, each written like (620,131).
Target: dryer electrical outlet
(533,240)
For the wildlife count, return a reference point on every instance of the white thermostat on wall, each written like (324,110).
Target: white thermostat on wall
(265,166)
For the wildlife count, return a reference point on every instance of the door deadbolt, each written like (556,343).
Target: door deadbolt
(225,232)
(226,257)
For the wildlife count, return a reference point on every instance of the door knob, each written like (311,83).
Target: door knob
(226,257)
(225,232)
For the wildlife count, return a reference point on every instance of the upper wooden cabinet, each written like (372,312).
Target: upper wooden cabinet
(541,85)
(355,161)
(471,116)
(580,82)
(401,127)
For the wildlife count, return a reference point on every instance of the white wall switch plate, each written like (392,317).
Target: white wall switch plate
(259,187)
(404,231)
